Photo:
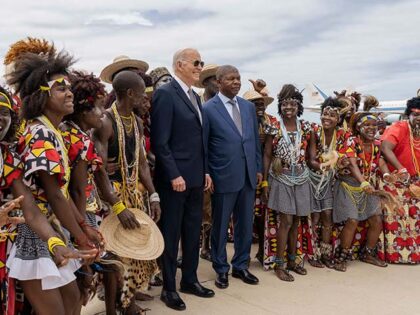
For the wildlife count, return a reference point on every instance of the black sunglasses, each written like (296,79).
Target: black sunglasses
(197,63)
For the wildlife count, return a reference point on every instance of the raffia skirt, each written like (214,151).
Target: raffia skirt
(30,259)
(294,200)
(358,206)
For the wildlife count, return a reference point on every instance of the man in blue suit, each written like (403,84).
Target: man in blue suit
(180,174)
(235,166)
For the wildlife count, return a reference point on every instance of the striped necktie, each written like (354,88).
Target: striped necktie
(236,116)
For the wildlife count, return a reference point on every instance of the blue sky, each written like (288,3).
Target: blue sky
(371,46)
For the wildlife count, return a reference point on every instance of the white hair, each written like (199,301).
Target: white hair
(180,55)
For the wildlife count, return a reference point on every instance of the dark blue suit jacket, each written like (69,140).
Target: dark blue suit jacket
(231,157)
(177,137)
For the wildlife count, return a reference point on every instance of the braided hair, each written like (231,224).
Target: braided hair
(334,102)
(289,91)
(33,71)
(86,89)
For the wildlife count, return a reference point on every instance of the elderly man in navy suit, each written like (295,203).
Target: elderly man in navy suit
(235,166)
(180,174)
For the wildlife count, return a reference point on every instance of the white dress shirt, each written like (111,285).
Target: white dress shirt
(184,87)
(228,106)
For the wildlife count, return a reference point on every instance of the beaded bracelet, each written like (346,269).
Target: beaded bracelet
(118,207)
(54,242)
(264,183)
(364,184)
(154,197)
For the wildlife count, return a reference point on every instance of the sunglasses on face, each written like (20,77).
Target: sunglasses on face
(196,63)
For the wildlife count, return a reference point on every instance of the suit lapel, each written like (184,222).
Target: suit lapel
(186,99)
(223,111)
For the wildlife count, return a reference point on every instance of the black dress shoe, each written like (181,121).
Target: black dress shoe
(245,276)
(172,300)
(222,280)
(197,289)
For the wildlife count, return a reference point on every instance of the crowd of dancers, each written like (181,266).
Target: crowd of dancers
(100,190)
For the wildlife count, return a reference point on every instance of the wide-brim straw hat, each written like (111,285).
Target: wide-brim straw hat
(144,243)
(119,63)
(207,72)
(252,95)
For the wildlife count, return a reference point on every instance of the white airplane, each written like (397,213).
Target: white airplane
(317,96)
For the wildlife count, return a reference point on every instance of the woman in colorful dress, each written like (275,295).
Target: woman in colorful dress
(11,170)
(401,149)
(354,200)
(89,95)
(327,137)
(285,169)
(46,99)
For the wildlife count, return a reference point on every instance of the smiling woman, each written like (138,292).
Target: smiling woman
(46,98)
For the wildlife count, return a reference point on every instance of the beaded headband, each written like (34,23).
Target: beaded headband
(291,99)
(335,109)
(7,103)
(366,118)
(62,81)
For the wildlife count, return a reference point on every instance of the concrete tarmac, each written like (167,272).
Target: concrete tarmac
(362,290)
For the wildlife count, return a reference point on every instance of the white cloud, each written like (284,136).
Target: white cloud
(371,45)
(119,19)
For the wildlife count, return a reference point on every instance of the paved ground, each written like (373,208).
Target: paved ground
(363,289)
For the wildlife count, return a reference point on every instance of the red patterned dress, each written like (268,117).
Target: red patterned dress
(40,149)
(400,242)
(80,147)
(11,168)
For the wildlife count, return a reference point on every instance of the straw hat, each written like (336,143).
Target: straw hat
(119,63)
(251,95)
(158,73)
(144,243)
(207,72)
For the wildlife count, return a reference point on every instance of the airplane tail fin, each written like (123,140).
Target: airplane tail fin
(314,94)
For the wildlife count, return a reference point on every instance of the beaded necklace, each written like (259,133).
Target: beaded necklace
(130,191)
(47,123)
(368,164)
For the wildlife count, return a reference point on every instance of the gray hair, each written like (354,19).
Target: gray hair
(180,55)
(224,70)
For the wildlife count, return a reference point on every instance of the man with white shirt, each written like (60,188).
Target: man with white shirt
(235,166)
(177,125)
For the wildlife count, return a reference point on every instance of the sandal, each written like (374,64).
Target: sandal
(316,263)
(281,272)
(141,296)
(206,255)
(369,256)
(341,256)
(297,269)
(156,281)
(137,310)
(326,255)
(293,266)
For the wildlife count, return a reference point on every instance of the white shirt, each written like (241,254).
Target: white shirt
(184,87)
(228,106)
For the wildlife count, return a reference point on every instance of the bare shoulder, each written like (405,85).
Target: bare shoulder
(105,132)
